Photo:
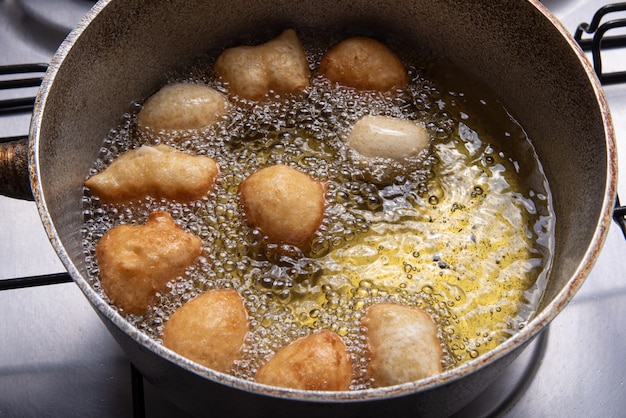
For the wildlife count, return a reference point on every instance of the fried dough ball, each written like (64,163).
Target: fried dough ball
(365,64)
(284,204)
(182,106)
(279,65)
(210,329)
(387,137)
(137,261)
(159,171)
(316,362)
(402,343)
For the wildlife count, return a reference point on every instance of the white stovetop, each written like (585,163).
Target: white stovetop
(59,356)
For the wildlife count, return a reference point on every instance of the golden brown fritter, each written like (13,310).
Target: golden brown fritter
(365,64)
(137,261)
(210,329)
(157,171)
(279,65)
(182,106)
(285,204)
(403,344)
(316,362)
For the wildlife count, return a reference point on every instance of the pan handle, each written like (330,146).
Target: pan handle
(14,177)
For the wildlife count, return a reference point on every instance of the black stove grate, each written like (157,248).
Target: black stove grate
(18,81)
(32,281)
(598,42)
(31,75)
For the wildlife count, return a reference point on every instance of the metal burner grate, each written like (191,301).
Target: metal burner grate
(22,104)
(600,42)
(597,43)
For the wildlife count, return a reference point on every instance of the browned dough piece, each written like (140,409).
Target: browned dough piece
(210,329)
(137,261)
(284,204)
(182,106)
(316,362)
(157,171)
(279,65)
(365,64)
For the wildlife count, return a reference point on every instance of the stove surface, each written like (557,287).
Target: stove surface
(57,358)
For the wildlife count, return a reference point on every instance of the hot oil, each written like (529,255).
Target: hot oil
(464,232)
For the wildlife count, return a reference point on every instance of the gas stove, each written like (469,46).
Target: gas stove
(57,358)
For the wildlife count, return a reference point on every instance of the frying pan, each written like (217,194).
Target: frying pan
(122,48)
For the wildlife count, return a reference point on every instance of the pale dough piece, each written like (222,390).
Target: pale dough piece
(183,106)
(387,137)
(137,261)
(284,204)
(279,65)
(159,171)
(210,329)
(365,64)
(316,362)
(402,343)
